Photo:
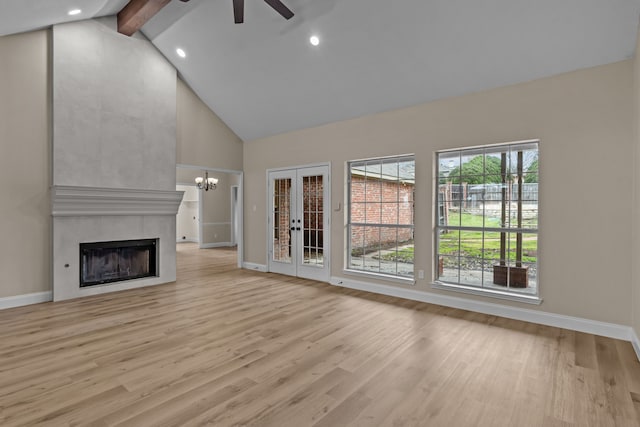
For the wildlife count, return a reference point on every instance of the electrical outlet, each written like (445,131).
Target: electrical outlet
(420,274)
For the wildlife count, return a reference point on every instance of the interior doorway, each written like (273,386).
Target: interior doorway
(187,218)
(216,217)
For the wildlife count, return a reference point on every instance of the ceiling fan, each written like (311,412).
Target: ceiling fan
(238,9)
(137,12)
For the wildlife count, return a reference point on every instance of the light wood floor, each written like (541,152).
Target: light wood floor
(226,347)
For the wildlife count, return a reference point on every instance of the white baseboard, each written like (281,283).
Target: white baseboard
(595,327)
(215,245)
(255,267)
(26,299)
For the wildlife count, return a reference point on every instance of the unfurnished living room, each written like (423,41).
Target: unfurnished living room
(320,213)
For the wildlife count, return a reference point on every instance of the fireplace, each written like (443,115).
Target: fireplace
(116,261)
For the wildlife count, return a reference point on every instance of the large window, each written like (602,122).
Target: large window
(487,218)
(380,222)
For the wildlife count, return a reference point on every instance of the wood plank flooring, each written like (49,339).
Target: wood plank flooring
(230,347)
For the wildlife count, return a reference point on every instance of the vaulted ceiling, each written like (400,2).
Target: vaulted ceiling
(263,77)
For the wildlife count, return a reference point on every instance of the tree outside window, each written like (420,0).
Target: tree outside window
(487,217)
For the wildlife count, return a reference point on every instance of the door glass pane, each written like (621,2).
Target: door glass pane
(281,220)
(312,201)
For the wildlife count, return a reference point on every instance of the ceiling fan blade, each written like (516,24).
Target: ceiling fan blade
(280,8)
(238,11)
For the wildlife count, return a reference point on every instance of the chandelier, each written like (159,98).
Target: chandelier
(206,183)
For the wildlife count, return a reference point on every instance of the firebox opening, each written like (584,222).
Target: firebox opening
(116,261)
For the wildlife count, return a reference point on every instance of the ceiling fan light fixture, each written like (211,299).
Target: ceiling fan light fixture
(206,183)
(277,5)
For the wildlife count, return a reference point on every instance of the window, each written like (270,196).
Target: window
(487,218)
(380,222)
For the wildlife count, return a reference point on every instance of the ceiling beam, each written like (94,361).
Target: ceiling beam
(136,13)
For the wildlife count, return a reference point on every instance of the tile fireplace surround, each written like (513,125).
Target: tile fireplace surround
(89,214)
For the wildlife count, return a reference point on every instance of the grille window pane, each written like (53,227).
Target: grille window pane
(487,217)
(381,215)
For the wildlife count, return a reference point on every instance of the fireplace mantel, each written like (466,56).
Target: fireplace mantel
(92,201)
(92,214)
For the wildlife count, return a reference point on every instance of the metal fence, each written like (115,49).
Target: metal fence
(463,195)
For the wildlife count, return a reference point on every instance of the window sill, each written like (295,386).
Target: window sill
(387,277)
(528,299)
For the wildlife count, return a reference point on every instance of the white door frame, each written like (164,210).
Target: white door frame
(297,267)
(235,190)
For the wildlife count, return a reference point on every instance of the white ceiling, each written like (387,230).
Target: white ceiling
(263,77)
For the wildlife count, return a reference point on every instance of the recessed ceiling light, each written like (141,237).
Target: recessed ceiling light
(73,12)
(314,40)
(181,53)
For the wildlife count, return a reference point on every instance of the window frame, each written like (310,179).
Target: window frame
(507,292)
(349,268)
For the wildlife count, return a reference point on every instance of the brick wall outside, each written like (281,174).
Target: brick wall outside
(312,215)
(387,202)
(312,190)
(282,196)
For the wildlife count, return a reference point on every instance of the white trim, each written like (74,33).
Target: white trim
(240,236)
(485,292)
(595,327)
(254,266)
(381,276)
(308,165)
(91,201)
(200,213)
(635,342)
(26,299)
(393,156)
(496,144)
(234,214)
(215,245)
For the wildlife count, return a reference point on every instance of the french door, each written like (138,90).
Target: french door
(299,222)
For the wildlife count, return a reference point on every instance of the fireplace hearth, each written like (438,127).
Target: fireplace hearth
(117,261)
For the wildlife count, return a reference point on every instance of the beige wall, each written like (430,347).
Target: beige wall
(25,114)
(216,211)
(204,139)
(584,122)
(635,217)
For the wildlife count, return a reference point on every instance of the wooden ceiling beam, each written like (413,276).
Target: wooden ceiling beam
(136,13)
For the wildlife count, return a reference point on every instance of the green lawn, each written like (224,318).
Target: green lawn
(473,244)
(476,243)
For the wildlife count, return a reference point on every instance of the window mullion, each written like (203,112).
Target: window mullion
(473,186)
